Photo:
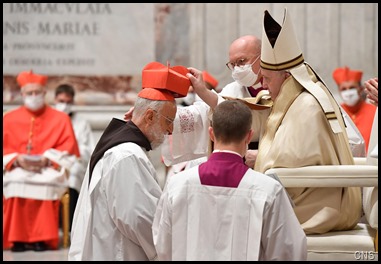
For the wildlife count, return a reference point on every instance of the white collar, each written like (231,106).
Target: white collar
(227,151)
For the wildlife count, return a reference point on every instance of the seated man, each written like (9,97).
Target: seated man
(222,209)
(305,128)
(36,138)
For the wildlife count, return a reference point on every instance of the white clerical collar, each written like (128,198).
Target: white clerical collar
(227,151)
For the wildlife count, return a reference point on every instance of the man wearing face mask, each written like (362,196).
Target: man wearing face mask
(35,138)
(244,54)
(64,100)
(288,141)
(190,139)
(354,103)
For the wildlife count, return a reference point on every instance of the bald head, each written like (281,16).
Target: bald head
(245,46)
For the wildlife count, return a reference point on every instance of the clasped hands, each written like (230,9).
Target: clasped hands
(34,163)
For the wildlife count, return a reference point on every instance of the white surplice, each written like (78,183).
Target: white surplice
(114,214)
(254,221)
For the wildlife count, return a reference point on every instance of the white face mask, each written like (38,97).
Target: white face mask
(244,75)
(34,102)
(63,107)
(350,97)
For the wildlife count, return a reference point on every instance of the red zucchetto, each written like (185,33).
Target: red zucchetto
(156,94)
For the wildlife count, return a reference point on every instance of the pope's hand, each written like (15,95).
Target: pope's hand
(251,157)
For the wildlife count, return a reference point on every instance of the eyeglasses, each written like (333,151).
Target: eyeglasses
(167,119)
(240,63)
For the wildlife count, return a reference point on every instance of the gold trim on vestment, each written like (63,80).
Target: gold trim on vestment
(331,115)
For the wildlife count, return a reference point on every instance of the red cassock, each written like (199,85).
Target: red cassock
(362,115)
(30,220)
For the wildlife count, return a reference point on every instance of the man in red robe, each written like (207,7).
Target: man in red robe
(31,211)
(354,104)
